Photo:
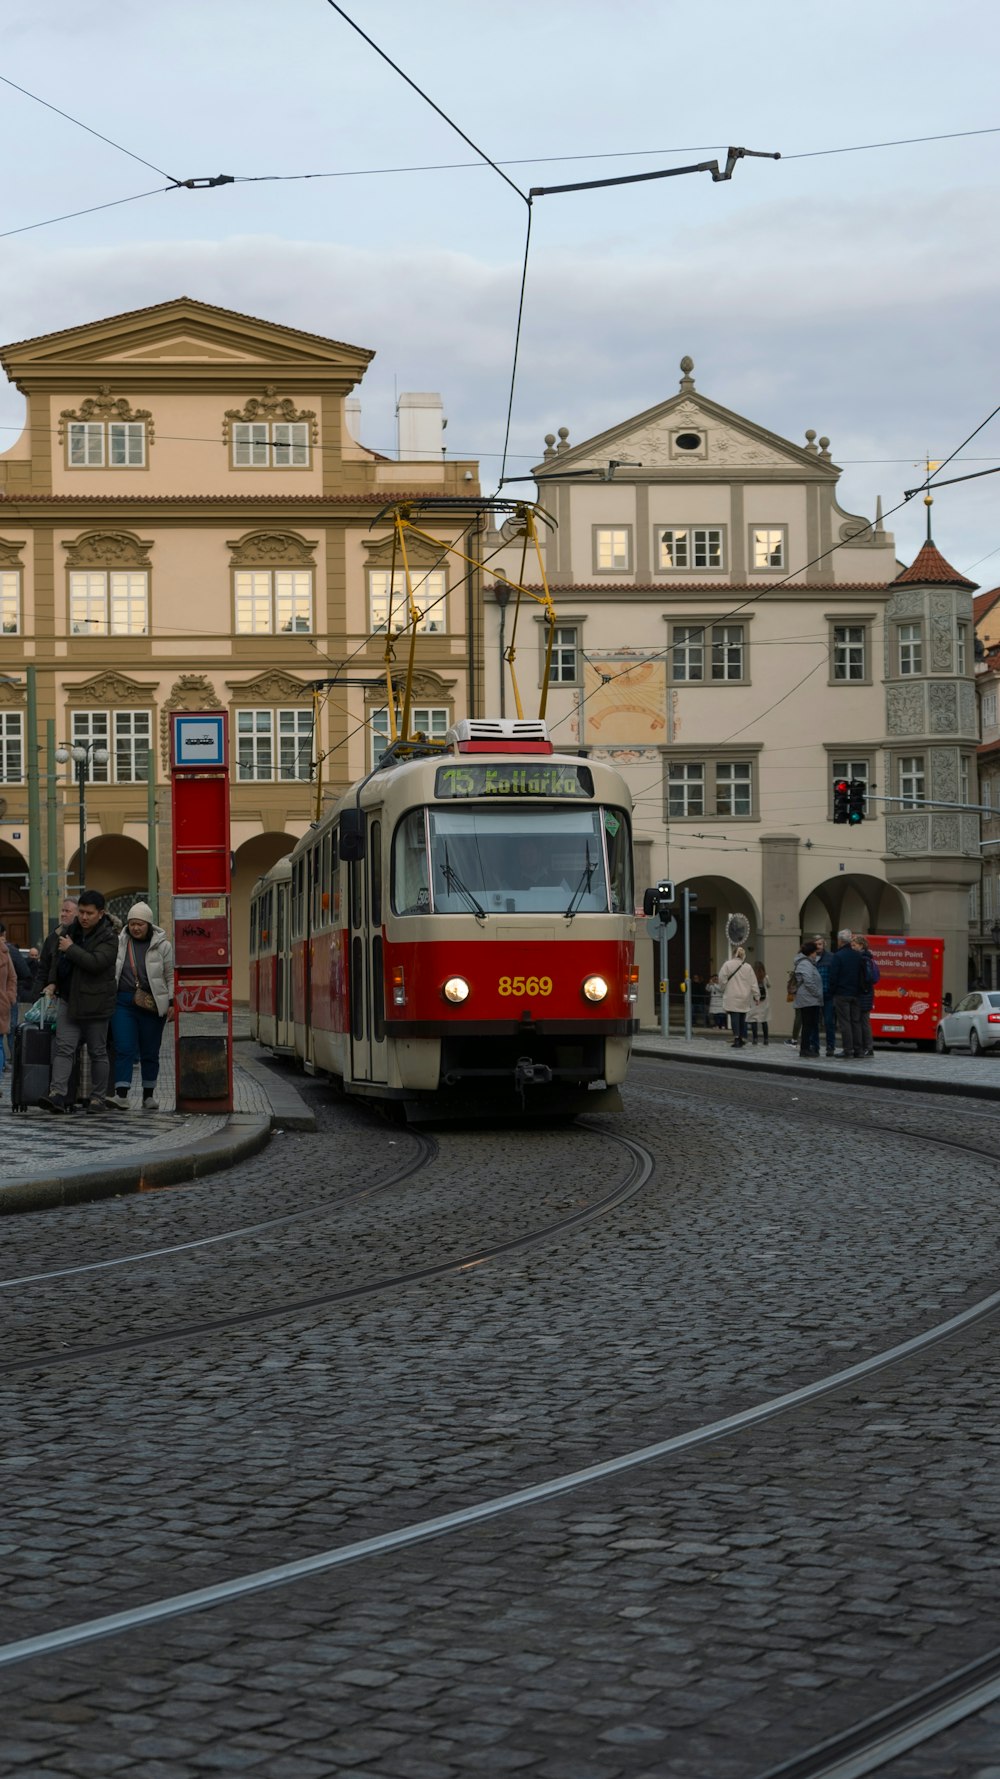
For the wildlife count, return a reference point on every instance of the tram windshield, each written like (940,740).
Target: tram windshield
(507,861)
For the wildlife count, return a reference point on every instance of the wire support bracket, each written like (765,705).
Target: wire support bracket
(719,174)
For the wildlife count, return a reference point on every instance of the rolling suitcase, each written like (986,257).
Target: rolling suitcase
(31,1067)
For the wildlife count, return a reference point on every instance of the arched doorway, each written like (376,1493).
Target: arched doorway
(718,898)
(250,861)
(118,867)
(865,904)
(14,893)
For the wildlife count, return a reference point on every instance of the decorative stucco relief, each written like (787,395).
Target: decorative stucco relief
(904,710)
(943,702)
(271,407)
(418,551)
(270,687)
(905,834)
(969,825)
(945,833)
(110,688)
(967,708)
(944,773)
(267,549)
(109,549)
(906,602)
(192,691)
(11,695)
(105,406)
(10,553)
(942,633)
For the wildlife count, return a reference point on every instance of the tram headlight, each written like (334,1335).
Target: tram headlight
(594,988)
(456,990)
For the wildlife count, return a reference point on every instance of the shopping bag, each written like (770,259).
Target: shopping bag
(43,1013)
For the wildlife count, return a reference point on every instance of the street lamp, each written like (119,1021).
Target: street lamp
(82,753)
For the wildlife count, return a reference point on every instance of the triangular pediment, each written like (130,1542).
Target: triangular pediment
(184,331)
(651,445)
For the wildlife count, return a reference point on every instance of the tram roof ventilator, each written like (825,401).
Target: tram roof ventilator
(499,735)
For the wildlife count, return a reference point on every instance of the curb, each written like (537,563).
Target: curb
(859,1077)
(243,1135)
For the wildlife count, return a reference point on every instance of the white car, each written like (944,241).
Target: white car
(975,1022)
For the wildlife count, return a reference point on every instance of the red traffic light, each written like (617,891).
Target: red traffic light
(842,787)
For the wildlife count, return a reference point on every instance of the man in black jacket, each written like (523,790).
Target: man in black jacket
(847,984)
(82,975)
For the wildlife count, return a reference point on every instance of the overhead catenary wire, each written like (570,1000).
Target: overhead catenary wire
(80,125)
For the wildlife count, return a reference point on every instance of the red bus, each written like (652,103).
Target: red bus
(908,993)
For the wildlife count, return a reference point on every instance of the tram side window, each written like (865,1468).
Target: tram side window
(618,838)
(253,929)
(265,915)
(317,888)
(298,909)
(410,868)
(375,868)
(324,880)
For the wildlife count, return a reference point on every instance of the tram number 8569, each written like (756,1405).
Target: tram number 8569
(525,985)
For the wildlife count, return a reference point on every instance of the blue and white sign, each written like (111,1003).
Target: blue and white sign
(200,740)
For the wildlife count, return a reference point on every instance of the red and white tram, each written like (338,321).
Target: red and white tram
(270,960)
(462,928)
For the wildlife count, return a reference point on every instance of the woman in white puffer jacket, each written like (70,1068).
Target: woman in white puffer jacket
(740,994)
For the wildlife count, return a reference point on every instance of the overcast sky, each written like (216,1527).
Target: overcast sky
(854,293)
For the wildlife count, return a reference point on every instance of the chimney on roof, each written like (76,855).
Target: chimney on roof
(352,417)
(420,425)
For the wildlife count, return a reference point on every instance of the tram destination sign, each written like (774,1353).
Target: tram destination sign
(544,779)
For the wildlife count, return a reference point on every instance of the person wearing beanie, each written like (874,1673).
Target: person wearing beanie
(145,975)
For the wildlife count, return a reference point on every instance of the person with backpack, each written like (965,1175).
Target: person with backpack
(866,1000)
(805,984)
(740,994)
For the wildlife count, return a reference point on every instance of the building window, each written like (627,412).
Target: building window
(911,648)
(10,602)
(127,736)
(911,781)
(429,593)
(965,774)
(274,744)
(961,648)
(267,444)
(108,602)
(688,652)
(974,904)
(859,770)
(685,788)
(987,898)
(727,651)
(733,787)
(11,747)
(849,652)
(686,547)
(612,548)
(113,444)
(431,720)
(564,666)
(273,601)
(984,793)
(768,548)
(988,711)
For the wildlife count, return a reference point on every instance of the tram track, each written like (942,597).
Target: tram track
(640,1170)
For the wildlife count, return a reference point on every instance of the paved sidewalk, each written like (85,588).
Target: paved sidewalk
(46,1160)
(975,1077)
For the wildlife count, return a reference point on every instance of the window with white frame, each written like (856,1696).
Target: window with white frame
(432,720)
(961,648)
(612,548)
(685,788)
(965,775)
(911,648)
(691,546)
(11,747)
(687,653)
(985,792)
(974,903)
(849,649)
(987,897)
(768,548)
(264,444)
(392,607)
(274,744)
(125,735)
(10,602)
(564,667)
(728,651)
(106,444)
(273,601)
(109,602)
(733,787)
(911,781)
(988,710)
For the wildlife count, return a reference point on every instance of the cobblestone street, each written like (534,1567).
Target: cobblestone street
(191,1397)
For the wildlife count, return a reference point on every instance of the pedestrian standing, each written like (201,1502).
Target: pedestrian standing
(808,997)
(82,977)
(43,958)
(761,1014)
(716,1010)
(145,974)
(847,983)
(24,972)
(866,1000)
(823,961)
(740,994)
(8,998)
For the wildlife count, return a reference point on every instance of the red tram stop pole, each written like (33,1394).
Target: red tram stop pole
(203,963)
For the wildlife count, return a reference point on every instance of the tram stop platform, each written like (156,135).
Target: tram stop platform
(909,1069)
(47,1161)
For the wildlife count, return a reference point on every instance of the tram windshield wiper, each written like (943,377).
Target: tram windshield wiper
(583,887)
(454,882)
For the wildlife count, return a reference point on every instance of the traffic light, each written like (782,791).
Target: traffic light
(841,799)
(857,792)
(657,902)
